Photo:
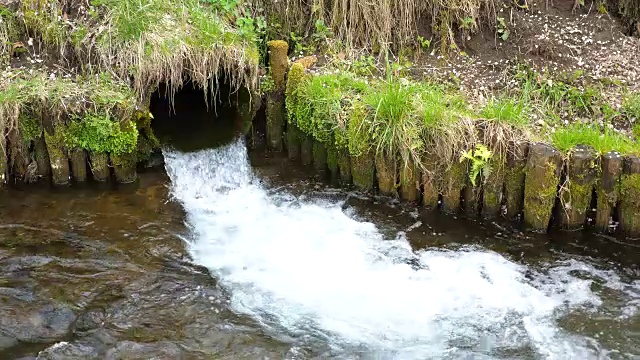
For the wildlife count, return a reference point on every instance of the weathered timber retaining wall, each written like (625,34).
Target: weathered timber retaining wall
(533,183)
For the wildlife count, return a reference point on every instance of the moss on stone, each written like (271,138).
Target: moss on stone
(492,189)
(386,171)
(362,171)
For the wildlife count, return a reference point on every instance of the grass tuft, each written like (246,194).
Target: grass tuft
(601,140)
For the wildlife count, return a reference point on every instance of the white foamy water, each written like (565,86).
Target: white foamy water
(312,274)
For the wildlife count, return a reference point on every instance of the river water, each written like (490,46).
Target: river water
(237,256)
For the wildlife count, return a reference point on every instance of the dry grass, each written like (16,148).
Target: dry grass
(386,23)
(150,41)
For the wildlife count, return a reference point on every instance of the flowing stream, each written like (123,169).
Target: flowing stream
(236,254)
(314,275)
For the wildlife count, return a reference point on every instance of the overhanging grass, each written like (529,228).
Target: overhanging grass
(30,102)
(601,140)
(154,41)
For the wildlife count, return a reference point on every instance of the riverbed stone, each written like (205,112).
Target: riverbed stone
(543,170)
(129,350)
(36,324)
(575,195)
(607,189)
(363,171)
(514,179)
(386,171)
(630,197)
(68,351)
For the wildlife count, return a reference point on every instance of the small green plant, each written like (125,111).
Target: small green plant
(424,43)
(467,24)
(631,107)
(322,33)
(507,111)
(502,29)
(479,159)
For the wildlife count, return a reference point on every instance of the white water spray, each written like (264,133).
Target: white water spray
(309,272)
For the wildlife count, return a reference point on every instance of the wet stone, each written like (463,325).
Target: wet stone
(129,350)
(99,163)
(344,167)
(294,136)
(47,323)
(78,165)
(363,171)
(42,157)
(68,351)
(320,158)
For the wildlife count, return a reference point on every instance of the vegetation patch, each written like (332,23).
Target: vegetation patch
(153,41)
(601,140)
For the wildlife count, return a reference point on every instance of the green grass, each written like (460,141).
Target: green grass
(67,103)
(507,111)
(631,106)
(154,41)
(602,141)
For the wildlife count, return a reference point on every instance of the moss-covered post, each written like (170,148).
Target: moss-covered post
(410,182)
(344,167)
(278,64)
(42,157)
(320,158)
(18,155)
(429,183)
(576,193)
(306,149)
(454,180)
(78,165)
(332,163)
(124,167)
(514,178)
(363,171)
(492,189)
(543,171)
(294,135)
(630,197)
(470,194)
(99,164)
(607,189)
(3,161)
(386,171)
(58,157)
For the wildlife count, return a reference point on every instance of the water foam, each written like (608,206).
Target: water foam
(309,271)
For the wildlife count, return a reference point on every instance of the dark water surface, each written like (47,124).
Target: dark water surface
(225,258)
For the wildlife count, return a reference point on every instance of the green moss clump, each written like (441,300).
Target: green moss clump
(630,204)
(362,171)
(539,196)
(100,134)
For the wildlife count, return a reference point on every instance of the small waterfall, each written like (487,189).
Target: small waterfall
(310,274)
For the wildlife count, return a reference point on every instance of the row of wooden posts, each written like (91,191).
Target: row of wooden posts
(538,185)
